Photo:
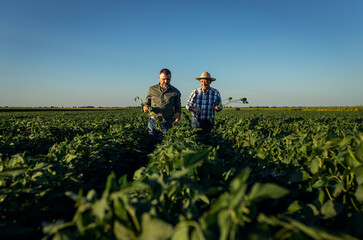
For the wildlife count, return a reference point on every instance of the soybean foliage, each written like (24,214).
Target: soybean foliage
(258,175)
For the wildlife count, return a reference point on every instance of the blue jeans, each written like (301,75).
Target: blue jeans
(205,125)
(156,132)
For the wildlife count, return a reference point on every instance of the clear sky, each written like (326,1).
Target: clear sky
(104,53)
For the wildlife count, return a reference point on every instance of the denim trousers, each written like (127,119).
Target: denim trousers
(205,125)
(155,131)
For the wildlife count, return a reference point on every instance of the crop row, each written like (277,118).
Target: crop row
(259,174)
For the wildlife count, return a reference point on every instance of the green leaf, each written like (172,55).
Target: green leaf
(225,224)
(121,232)
(359,174)
(91,195)
(320,183)
(293,207)
(230,172)
(191,157)
(332,143)
(299,176)
(328,210)
(238,188)
(155,229)
(64,235)
(100,208)
(338,188)
(267,190)
(321,197)
(139,173)
(52,228)
(179,174)
(122,181)
(204,198)
(312,209)
(36,175)
(119,209)
(359,193)
(12,173)
(359,152)
(181,233)
(110,184)
(240,180)
(314,166)
(261,154)
(346,141)
(69,157)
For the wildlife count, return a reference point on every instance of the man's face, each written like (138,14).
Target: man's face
(164,80)
(205,83)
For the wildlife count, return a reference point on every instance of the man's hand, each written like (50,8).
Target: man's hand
(177,118)
(217,108)
(145,108)
(176,122)
(197,110)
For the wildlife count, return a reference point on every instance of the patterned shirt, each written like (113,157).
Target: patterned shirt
(205,101)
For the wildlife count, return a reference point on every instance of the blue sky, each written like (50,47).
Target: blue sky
(104,53)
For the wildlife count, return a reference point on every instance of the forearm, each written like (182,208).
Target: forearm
(196,110)
(148,98)
(191,109)
(177,116)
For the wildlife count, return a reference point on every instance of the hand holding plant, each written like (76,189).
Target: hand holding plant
(149,110)
(145,107)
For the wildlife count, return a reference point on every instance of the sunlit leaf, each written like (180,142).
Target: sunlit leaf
(328,210)
(359,193)
(155,229)
(359,152)
(122,233)
(332,143)
(181,233)
(314,166)
(359,174)
(294,206)
(12,173)
(267,190)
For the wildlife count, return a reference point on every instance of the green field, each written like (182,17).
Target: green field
(92,174)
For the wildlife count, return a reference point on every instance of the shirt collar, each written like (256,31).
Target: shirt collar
(164,89)
(201,89)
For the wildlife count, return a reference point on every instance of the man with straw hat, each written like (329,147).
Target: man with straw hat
(203,102)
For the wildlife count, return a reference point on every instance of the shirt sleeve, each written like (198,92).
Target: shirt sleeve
(148,98)
(219,100)
(190,101)
(178,104)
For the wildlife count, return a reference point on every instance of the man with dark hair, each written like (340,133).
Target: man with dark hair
(164,102)
(165,71)
(203,102)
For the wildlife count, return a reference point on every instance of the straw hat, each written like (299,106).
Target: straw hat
(205,75)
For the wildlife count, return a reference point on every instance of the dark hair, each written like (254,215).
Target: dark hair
(165,71)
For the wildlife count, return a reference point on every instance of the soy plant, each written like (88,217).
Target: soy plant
(230,100)
(157,117)
(337,171)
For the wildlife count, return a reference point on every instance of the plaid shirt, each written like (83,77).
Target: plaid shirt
(205,101)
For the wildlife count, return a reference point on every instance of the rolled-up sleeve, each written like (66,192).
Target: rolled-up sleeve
(190,101)
(148,98)
(219,101)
